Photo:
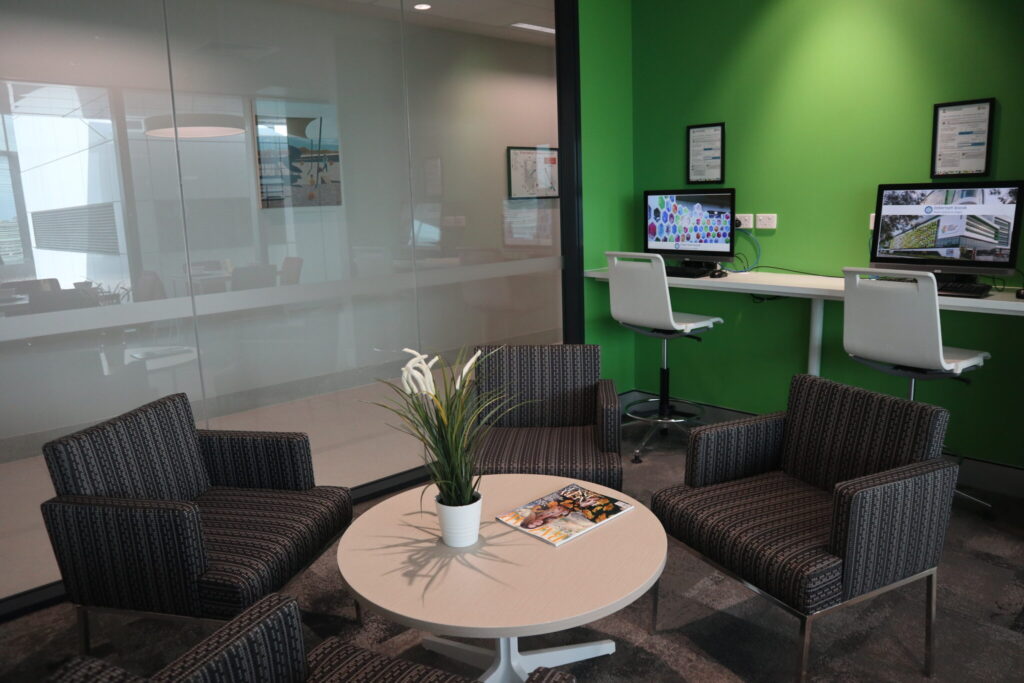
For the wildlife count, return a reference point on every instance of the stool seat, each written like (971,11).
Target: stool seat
(683,325)
(691,322)
(964,359)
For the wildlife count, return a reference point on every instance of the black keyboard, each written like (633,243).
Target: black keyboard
(970,290)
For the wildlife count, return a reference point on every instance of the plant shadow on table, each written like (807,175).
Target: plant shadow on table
(423,556)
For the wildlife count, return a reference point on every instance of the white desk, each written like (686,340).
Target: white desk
(818,288)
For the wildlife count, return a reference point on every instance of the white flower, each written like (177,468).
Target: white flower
(466,369)
(417,377)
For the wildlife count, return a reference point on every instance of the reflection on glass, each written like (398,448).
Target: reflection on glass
(321,191)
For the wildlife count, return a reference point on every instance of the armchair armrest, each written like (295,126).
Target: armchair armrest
(257,460)
(733,450)
(891,525)
(608,425)
(263,644)
(128,553)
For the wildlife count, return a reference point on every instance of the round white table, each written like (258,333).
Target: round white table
(509,584)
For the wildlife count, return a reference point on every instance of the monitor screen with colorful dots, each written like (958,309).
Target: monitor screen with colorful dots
(690,223)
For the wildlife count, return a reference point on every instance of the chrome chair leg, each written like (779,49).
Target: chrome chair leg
(654,618)
(651,431)
(929,624)
(957,493)
(805,648)
(82,613)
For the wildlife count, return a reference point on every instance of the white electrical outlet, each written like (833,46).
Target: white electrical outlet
(767,221)
(871,222)
(746,220)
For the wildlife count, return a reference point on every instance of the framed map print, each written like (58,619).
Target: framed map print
(532,172)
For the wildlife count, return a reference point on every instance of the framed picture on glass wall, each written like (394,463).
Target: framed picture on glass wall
(532,172)
(298,155)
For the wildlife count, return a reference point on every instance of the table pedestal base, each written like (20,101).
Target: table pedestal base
(507,664)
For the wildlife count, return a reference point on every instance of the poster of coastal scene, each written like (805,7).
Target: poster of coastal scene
(299,161)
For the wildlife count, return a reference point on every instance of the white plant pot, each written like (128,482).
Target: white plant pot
(460,524)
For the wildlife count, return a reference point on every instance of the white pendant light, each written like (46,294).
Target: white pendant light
(193,125)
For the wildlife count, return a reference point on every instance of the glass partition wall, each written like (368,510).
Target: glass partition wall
(260,203)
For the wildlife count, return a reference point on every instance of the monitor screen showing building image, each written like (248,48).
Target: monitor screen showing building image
(961,226)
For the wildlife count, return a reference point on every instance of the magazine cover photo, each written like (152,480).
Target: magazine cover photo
(564,514)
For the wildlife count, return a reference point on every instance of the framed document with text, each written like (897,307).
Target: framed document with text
(961,138)
(705,153)
(532,172)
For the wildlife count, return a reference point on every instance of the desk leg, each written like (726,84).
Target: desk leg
(814,344)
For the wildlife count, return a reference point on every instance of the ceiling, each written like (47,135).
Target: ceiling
(483,17)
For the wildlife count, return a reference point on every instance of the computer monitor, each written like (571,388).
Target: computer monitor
(693,226)
(950,229)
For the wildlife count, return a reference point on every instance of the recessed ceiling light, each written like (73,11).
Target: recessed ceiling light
(421,6)
(533,27)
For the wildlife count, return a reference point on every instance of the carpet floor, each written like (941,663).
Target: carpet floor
(710,627)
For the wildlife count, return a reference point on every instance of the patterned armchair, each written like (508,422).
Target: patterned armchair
(153,514)
(841,497)
(264,645)
(569,423)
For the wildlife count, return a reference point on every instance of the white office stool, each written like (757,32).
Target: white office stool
(894,327)
(640,301)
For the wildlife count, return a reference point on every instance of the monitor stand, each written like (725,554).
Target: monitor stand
(692,269)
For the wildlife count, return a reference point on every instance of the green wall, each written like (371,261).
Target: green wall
(606,119)
(823,100)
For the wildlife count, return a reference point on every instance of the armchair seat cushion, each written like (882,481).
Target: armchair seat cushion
(90,670)
(336,661)
(257,539)
(771,529)
(569,452)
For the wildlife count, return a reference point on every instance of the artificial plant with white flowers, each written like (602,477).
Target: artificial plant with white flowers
(448,419)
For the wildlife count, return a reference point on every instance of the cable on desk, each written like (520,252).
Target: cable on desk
(799,272)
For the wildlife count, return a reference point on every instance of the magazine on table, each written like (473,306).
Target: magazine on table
(565,514)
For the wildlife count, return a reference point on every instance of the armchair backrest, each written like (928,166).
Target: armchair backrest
(835,432)
(557,382)
(151,452)
(263,644)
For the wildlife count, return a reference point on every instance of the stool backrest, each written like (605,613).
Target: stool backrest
(638,289)
(893,322)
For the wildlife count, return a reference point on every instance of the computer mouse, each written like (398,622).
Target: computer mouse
(1020,293)
(721,273)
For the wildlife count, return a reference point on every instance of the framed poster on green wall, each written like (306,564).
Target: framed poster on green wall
(962,138)
(705,153)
